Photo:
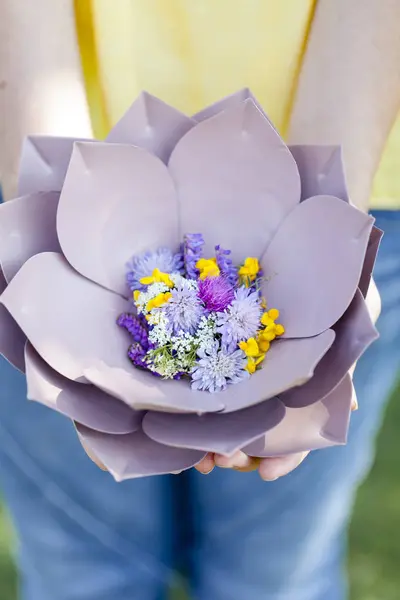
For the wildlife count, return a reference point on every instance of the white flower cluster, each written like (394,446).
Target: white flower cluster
(183,343)
(163,364)
(205,334)
(179,281)
(159,334)
(152,291)
(180,350)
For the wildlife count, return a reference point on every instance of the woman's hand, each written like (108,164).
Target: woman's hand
(273,468)
(269,468)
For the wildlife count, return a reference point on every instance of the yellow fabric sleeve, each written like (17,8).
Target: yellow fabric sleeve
(386,188)
(193,52)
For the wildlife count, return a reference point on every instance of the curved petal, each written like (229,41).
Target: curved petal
(221,433)
(236,181)
(151,124)
(136,455)
(12,340)
(3,281)
(319,425)
(143,391)
(354,333)
(44,163)
(321,171)
(27,227)
(314,263)
(289,363)
(369,262)
(117,201)
(71,322)
(83,403)
(229,102)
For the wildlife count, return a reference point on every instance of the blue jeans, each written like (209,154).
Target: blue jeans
(85,537)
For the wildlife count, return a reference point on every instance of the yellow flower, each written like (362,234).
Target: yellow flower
(273,314)
(208,267)
(158,301)
(264,339)
(253,363)
(158,277)
(263,344)
(267,335)
(248,271)
(254,350)
(136,295)
(250,348)
(271,329)
(268,319)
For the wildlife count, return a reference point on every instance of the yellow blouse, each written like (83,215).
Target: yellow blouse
(193,52)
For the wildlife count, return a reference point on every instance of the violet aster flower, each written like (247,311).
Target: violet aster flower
(183,310)
(144,265)
(216,293)
(241,320)
(192,252)
(233,178)
(226,265)
(217,367)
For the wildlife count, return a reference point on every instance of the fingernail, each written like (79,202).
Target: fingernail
(268,479)
(235,462)
(224,466)
(208,472)
(223,462)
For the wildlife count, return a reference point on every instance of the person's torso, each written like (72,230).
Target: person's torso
(191,53)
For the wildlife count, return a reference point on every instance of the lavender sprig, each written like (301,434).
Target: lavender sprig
(136,327)
(225,265)
(192,252)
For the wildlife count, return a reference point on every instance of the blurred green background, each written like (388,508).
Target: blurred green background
(374,536)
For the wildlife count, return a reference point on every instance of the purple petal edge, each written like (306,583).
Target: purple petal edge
(370,258)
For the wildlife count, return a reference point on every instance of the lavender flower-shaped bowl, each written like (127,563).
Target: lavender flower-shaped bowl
(86,207)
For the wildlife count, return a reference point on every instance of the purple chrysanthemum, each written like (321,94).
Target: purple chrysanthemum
(143,265)
(136,327)
(241,320)
(192,252)
(225,264)
(216,368)
(216,293)
(183,310)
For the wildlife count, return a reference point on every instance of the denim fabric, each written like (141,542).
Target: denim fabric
(85,537)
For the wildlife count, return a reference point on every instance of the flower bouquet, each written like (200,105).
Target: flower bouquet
(190,285)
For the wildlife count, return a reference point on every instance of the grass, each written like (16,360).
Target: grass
(8,580)
(374,535)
